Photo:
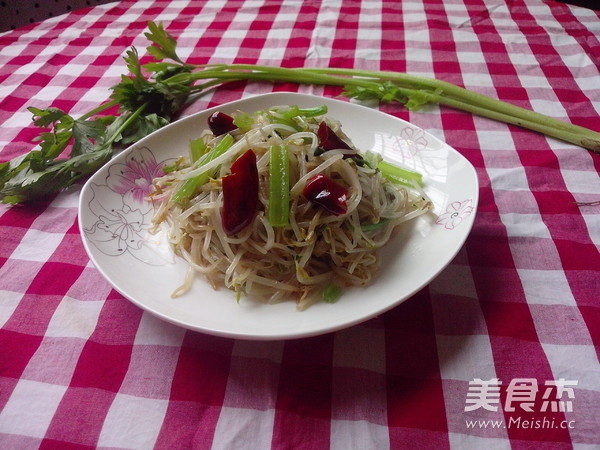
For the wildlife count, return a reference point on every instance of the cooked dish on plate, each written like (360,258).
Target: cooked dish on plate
(279,204)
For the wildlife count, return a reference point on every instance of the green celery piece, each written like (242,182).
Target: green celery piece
(243,121)
(294,111)
(198,149)
(279,186)
(285,120)
(366,227)
(331,293)
(170,168)
(399,175)
(313,112)
(188,188)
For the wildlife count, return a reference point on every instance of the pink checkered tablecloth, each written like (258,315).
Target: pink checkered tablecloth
(501,350)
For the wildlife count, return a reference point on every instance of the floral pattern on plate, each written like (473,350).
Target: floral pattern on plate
(415,139)
(455,213)
(123,213)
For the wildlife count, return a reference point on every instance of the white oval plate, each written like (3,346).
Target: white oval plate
(114,219)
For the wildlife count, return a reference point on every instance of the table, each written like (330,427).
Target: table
(499,351)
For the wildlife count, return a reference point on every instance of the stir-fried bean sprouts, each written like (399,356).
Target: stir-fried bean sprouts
(296,261)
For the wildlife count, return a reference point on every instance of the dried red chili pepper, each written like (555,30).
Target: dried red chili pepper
(325,192)
(240,194)
(220,123)
(329,140)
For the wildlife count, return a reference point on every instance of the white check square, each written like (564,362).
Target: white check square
(30,408)
(37,246)
(132,422)
(74,318)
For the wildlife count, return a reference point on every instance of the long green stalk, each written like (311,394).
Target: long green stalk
(408,86)
(129,120)
(99,109)
(279,186)
(189,186)
(456,92)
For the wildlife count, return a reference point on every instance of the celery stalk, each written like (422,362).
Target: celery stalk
(400,175)
(279,186)
(189,186)
(198,149)
(366,227)
(411,90)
